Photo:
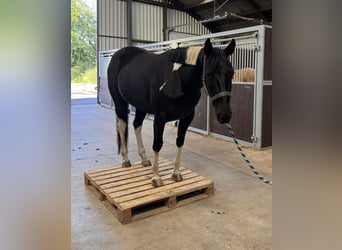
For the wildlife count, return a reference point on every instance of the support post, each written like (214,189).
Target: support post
(165,30)
(129,22)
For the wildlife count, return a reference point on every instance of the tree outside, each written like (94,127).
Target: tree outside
(83,43)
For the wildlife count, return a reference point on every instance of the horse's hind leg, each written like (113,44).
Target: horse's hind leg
(121,109)
(137,123)
(182,128)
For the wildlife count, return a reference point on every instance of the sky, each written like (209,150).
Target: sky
(91,3)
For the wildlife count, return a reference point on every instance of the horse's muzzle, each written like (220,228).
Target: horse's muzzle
(224,117)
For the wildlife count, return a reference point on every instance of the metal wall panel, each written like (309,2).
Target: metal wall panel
(106,43)
(112,24)
(176,17)
(147,22)
(268,55)
(112,18)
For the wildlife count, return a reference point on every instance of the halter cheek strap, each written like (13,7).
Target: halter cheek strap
(203,76)
(218,95)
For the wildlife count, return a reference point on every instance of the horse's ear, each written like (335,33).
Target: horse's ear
(208,47)
(230,48)
(172,87)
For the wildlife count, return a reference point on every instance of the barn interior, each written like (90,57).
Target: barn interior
(239,213)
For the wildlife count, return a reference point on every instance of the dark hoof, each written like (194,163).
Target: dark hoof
(157,182)
(176,177)
(146,163)
(126,164)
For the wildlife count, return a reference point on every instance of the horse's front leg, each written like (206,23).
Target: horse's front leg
(158,130)
(182,128)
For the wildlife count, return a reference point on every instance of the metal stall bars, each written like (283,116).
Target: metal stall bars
(103,96)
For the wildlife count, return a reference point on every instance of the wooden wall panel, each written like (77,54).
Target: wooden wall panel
(200,118)
(267,117)
(241,102)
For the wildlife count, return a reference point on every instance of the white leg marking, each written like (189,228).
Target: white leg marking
(140,143)
(176,175)
(177,160)
(156,180)
(176,66)
(122,126)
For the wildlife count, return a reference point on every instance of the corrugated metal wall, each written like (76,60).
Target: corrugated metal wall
(176,17)
(147,23)
(111,24)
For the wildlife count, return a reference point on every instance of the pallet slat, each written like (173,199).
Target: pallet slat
(130,196)
(139,186)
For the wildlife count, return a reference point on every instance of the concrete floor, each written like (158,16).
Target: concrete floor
(237,216)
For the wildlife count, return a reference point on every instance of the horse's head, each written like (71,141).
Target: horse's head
(217,78)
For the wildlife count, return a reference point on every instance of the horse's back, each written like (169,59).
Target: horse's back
(126,77)
(118,61)
(122,57)
(138,77)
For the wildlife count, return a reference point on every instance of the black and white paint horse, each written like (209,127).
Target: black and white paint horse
(167,85)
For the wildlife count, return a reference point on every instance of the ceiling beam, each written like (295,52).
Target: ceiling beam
(175,5)
(199,18)
(202,2)
(235,25)
(256,8)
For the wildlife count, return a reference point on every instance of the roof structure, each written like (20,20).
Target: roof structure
(237,13)
(222,15)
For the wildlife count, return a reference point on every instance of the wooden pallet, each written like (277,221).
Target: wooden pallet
(129,194)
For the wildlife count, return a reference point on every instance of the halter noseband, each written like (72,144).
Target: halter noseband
(218,95)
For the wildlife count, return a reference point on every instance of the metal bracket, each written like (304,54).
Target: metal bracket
(254,138)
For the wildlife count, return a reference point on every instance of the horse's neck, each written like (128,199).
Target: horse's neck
(193,56)
(177,55)
(190,55)
(196,82)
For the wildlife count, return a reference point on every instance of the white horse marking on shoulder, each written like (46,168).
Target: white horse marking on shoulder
(192,55)
(176,66)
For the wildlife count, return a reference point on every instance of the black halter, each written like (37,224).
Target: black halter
(216,96)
